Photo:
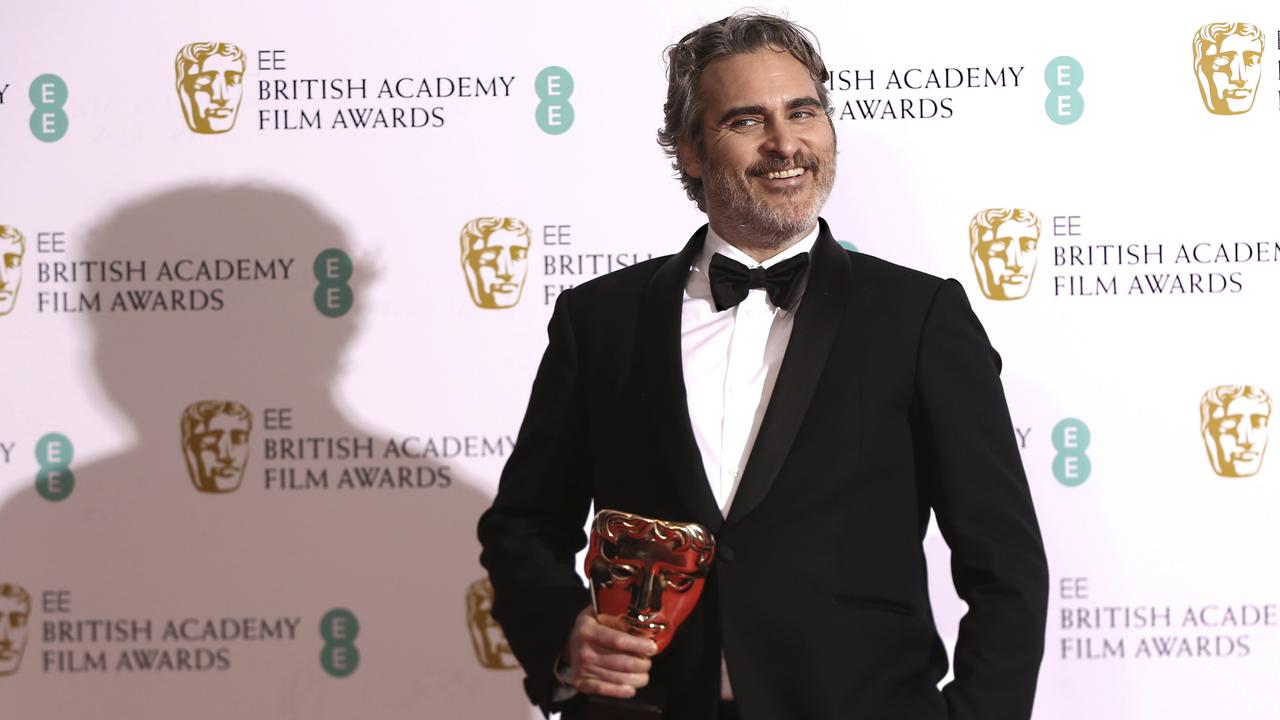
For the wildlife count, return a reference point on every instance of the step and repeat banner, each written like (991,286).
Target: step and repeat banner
(276,278)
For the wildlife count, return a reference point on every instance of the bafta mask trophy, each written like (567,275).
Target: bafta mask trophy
(649,574)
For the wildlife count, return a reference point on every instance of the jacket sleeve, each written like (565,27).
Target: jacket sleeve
(531,533)
(971,470)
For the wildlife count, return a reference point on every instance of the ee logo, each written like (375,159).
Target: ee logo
(55,480)
(333,295)
(339,656)
(554,85)
(1071,466)
(48,121)
(1065,104)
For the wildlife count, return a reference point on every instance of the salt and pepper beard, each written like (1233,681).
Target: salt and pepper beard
(759,224)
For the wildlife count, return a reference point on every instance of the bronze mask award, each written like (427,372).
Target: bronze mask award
(649,574)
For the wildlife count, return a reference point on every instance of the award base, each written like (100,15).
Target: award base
(598,708)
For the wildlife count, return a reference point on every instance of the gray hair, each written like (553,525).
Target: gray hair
(686,60)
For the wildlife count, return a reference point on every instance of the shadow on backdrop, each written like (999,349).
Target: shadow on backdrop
(194,520)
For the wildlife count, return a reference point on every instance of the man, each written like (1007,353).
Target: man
(210,85)
(15,610)
(495,260)
(12,247)
(811,427)
(1002,246)
(1234,423)
(215,442)
(1228,66)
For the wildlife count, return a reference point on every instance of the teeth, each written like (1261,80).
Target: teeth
(793,172)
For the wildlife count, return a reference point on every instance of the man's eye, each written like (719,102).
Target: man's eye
(519,253)
(997,248)
(1221,61)
(1261,421)
(622,572)
(744,122)
(1228,424)
(233,78)
(1029,243)
(802,114)
(1252,59)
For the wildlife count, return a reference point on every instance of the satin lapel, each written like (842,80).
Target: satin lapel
(662,367)
(822,309)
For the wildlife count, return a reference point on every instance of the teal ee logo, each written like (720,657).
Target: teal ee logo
(333,295)
(48,120)
(1065,104)
(1071,465)
(554,85)
(54,481)
(847,245)
(339,656)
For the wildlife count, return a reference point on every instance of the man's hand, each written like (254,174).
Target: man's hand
(604,659)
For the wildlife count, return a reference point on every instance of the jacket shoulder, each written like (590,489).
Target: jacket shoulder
(891,277)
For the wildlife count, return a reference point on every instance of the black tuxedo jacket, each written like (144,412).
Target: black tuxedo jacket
(888,405)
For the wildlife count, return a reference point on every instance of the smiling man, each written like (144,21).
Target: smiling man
(810,406)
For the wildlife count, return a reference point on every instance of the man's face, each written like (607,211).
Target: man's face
(1006,259)
(768,156)
(1229,76)
(220,451)
(10,273)
(650,583)
(496,269)
(490,643)
(1237,437)
(212,94)
(13,633)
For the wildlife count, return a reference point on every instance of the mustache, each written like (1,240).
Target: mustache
(765,166)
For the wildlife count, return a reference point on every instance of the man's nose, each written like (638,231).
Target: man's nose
(781,139)
(4,274)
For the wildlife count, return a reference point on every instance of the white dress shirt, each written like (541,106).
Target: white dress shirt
(731,361)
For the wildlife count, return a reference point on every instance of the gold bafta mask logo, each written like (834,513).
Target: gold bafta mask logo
(15,611)
(495,260)
(210,85)
(1228,66)
(1003,247)
(1233,424)
(215,443)
(12,247)
(487,639)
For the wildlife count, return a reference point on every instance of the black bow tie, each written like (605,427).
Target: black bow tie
(731,280)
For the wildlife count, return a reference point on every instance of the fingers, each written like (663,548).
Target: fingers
(608,633)
(606,660)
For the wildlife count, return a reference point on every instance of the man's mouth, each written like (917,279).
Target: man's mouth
(1237,94)
(503,287)
(784,174)
(220,113)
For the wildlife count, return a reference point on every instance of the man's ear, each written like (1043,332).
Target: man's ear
(688,157)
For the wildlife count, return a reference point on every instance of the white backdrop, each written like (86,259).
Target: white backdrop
(377,435)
